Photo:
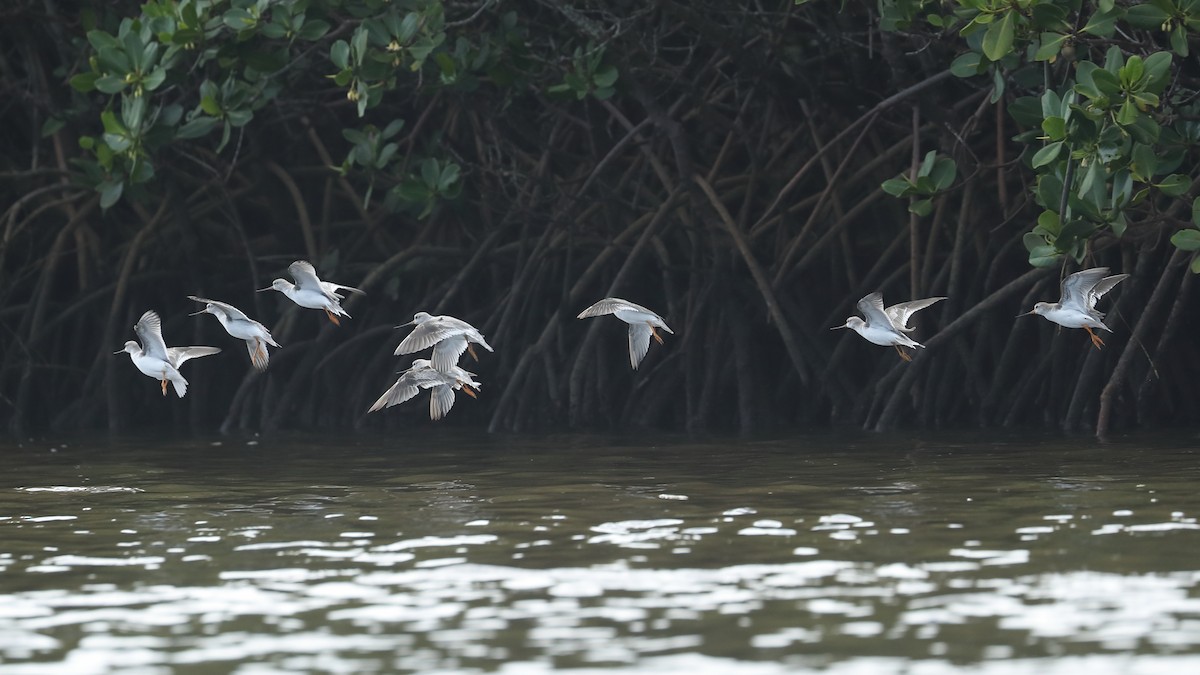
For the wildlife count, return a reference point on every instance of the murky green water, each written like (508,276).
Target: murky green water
(431,554)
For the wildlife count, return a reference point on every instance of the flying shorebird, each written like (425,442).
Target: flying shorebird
(309,291)
(887,326)
(1077,306)
(642,324)
(242,327)
(448,336)
(155,359)
(422,375)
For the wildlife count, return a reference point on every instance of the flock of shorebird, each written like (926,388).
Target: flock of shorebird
(450,337)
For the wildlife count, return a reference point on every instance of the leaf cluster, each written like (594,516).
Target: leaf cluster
(183,70)
(1105,107)
(935,175)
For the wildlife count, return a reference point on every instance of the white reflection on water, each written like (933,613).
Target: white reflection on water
(613,614)
(607,576)
(84,489)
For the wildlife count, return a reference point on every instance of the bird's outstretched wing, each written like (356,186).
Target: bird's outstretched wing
(332,288)
(149,332)
(230,311)
(639,343)
(305,275)
(447,352)
(259,357)
(871,306)
(1103,286)
(1076,287)
(426,335)
(398,393)
(610,306)
(901,312)
(177,356)
(420,376)
(306,279)
(441,400)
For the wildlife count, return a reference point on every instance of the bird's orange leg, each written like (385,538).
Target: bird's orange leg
(471,351)
(903,354)
(654,332)
(1095,338)
(333,318)
(164,386)
(468,390)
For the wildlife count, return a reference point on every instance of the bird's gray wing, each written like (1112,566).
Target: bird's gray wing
(331,287)
(871,307)
(177,356)
(306,278)
(441,400)
(447,352)
(901,312)
(609,306)
(305,275)
(1077,286)
(639,343)
(427,334)
(258,354)
(149,332)
(1103,286)
(230,311)
(405,388)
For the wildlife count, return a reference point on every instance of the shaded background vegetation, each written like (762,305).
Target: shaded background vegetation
(511,162)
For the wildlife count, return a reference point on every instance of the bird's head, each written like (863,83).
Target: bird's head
(1039,308)
(277,285)
(129,348)
(418,318)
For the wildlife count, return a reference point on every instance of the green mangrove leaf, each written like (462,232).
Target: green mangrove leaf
(110,192)
(1047,154)
(1146,16)
(998,40)
(921,207)
(966,65)
(1174,185)
(1186,240)
(1052,44)
(897,187)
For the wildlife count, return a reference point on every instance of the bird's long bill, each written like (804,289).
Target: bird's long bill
(406,324)
(1025,314)
(119,351)
(837,327)
(197,313)
(268,288)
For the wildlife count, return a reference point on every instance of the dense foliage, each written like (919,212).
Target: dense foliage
(735,168)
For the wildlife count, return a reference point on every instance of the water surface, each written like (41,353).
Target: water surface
(440,553)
